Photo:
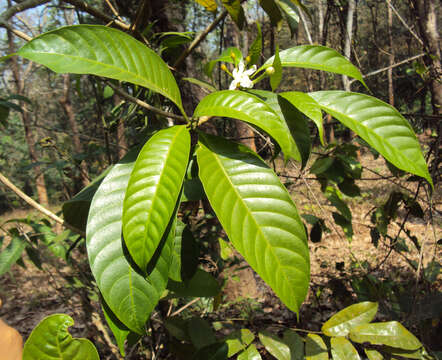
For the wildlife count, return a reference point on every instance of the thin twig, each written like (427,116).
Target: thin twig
(200,38)
(37,206)
(185,306)
(404,23)
(145,105)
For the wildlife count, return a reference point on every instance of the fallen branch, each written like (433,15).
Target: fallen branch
(37,206)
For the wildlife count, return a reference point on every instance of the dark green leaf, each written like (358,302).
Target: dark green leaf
(119,331)
(10,254)
(255,50)
(295,344)
(273,11)
(200,333)
(290,13)
(275,346)
(315,348)
(235,11)
(217,351)
(202,284)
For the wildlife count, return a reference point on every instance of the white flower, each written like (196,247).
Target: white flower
(241,77)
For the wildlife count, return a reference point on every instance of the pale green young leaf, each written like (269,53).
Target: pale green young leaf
(373,354)
(276,77)
(342,322)
(251,353)
(255,49)
(50,340)
(274,345)
(153,190)
(129,295)
(102,51)
(380,125)
(317,57)
(249,108)
(308,106)
(235,11)
(342,349)
(238,341)
(258,215)
(315,348)
(210,5)
(390,333)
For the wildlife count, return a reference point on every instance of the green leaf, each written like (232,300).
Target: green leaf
(216,351)
(200,332)
(102,51)
(202,284)
(315,348)
(177,327)
(296,123)
(276,77)
(249,108)
(153,190)
(251,353)
(274,345)
(235,11)
(255,49)
(129,295)
(4,113)
(308,106)
(342,349)
(273,11)
(373,354)
(10,254)
(342,322)
(201,83)
(380,125)
(118,329)
(258,215)
(409,354)
(335,197)
(238,341)
(76,210)
(391,333)
(226,56)
(319,58)
(295,344)
(290,13)
(50,340)
(210,5)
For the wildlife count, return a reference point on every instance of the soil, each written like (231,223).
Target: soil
(30,294)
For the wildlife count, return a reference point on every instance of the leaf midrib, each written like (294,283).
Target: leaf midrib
(268,245)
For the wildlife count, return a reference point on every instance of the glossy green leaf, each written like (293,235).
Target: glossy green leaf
(258,215)
(276,77)
(76,210)
(250,108)
(255,49)
(373,354)
(11,253)
(50,340)
(408,354)
(204,84)
(175,266)
(391,333)
(273,11)
(102,51)
(238,341)
(290,13)
(251,353)
(319,58)
(308,106)
(119,331)
(202,284)
(296,123)
(274,345)
(315,348)
(295,344)
(379,124)
(342,322)
(235,11)
(342,349)
(153,191)
(210,5)
(200,332)
(129,295)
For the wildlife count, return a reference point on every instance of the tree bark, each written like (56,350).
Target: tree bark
(426,16)
(26,118)
(121,131)
(390,57)
(348,38)
(65,102)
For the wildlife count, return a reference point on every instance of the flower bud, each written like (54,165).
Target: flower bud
(248,59)
(232,55)
(224,68)
(270,70)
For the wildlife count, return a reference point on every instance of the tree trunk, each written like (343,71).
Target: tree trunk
(390,57)
(26,118)
(426,15)
(66,104)
(348,38)
(121,133)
